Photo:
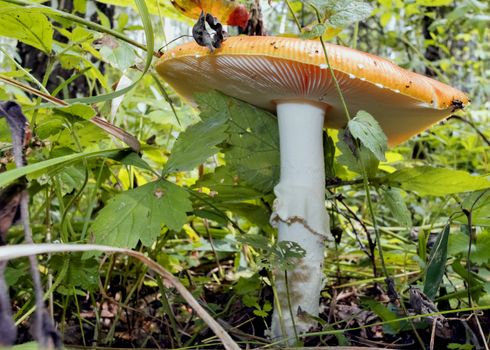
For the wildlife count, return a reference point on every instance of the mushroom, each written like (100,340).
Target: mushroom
(229,12)
(290,76)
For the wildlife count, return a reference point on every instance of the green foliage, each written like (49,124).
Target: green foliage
(117,53)
(356,158)
(78,110)
(426,180)
(85,187)
(226,187)
(386,314)
(436,266)
(282,255)
(195,145)
(27,26)
(138,214)
(37,169)
(253,146)
(76,272)
(396,205)
(342,13)
(367,130)
(247,135)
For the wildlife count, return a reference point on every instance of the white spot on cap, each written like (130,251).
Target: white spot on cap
(197,55)
(397,91)
(352,76)
(360,66)
(323,66)
(379,85)
(363,79)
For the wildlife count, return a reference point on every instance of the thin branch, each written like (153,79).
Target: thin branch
(470,123)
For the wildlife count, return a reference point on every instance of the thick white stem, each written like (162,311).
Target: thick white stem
(300,215)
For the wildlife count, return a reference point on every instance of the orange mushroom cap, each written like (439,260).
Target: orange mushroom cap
(264,70)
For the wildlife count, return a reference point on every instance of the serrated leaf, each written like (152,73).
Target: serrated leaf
(347,12)
(341,13)
(436,266)
(426,180)
(395,203)
(254,146)
(27,26)
(198,142)
(79,272)
(139,214)
(367,130)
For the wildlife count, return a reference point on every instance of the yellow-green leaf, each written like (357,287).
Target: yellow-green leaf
(27,26)
(426,180)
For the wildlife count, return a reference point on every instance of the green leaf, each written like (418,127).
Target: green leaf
(254,146)
(346,12)
(256,241)
(27,346)
(71,178)
(396,204)
(480,255)
(198,142)
(479,205)
(78,272)
(329,150)
(426,180)
(457,346)
(433,3)
(225,187)
(27,26)
(352,161)
(139,214)
(458,245)
(313,32)
(12,175)
(385,314)
(475,281)
(256,214)
(436,265)
(367,130)
(65,16)
(341,13)
(79,110)
(134,159)
(117,53)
